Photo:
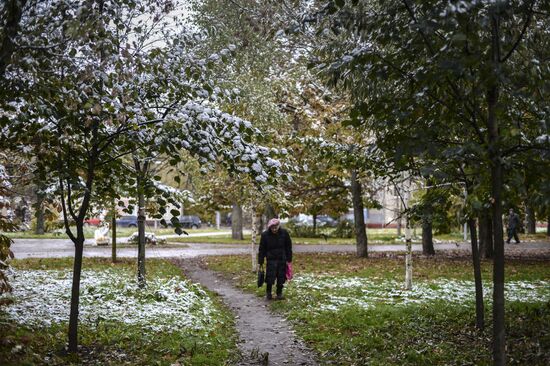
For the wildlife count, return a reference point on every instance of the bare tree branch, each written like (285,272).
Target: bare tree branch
(526,23)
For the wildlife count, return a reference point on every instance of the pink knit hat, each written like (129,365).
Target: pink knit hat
(273,222)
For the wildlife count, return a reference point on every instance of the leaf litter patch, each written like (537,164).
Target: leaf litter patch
(333,293)
(42,298)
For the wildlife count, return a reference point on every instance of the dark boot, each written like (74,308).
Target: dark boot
(268,295)
(280,292)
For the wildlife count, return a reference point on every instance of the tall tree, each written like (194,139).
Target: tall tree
(11,11)
(422,67)
(87,102)
(359,218)
(237,222)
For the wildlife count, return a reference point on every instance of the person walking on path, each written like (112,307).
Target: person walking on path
(276,247)
(513,226)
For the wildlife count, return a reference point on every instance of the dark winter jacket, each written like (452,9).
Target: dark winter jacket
(275,246)
(513,221)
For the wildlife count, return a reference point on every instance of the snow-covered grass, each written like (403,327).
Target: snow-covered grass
(171,320)
(331,294)
(355,311)
(42,298)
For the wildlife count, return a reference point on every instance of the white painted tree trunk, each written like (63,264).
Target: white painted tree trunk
(218,220)
(253,242)
(408,257)
(399,222)
(408,242)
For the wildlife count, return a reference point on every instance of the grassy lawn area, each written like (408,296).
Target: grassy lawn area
(355,311)
(226,239)
(171,321)
(539,236)
(375,236)
(89,232)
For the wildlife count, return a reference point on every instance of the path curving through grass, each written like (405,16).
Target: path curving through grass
(265,338)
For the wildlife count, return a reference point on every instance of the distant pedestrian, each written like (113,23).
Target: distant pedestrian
(276,246)
(513,226)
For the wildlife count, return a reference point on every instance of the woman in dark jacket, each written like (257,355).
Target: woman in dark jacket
(276,246)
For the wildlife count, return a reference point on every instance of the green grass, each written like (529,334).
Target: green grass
(429,333)
(375,236)
(114,342)
(539,236)
(155,267)
(226,239)
(89,232)
(435,334)
(391,268)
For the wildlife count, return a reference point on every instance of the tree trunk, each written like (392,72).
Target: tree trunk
(427,237)
(141,170)
(75,291)
(253,251)
(358,215)
(314,223)
(113,234)
(485,235)
(499,336)
(399,222)
(13,12)
(237,222)
(270,212)
(39,212)
(408,255)
(141,236)
(78,242)
(531,220)
(408,241)
(480,321)
(261,224)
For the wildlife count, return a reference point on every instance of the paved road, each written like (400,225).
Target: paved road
(52,248)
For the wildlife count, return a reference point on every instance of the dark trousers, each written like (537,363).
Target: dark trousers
(275,271)
(514,233)
(269,287)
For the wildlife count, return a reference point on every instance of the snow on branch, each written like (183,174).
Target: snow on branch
(216,136)
(179,195)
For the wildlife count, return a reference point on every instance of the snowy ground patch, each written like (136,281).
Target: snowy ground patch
(42,298)
(334,293)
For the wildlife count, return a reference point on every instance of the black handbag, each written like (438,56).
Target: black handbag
(261,276)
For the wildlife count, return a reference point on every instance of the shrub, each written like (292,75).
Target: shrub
(344,229)
(302,231)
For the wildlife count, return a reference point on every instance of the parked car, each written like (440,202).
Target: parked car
(307,220)
(127,221)
(326,221)
(191,221)
(301,220)
(94,221)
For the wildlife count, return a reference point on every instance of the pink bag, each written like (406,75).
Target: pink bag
(289,273)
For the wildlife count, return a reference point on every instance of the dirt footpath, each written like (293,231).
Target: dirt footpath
(265,338)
